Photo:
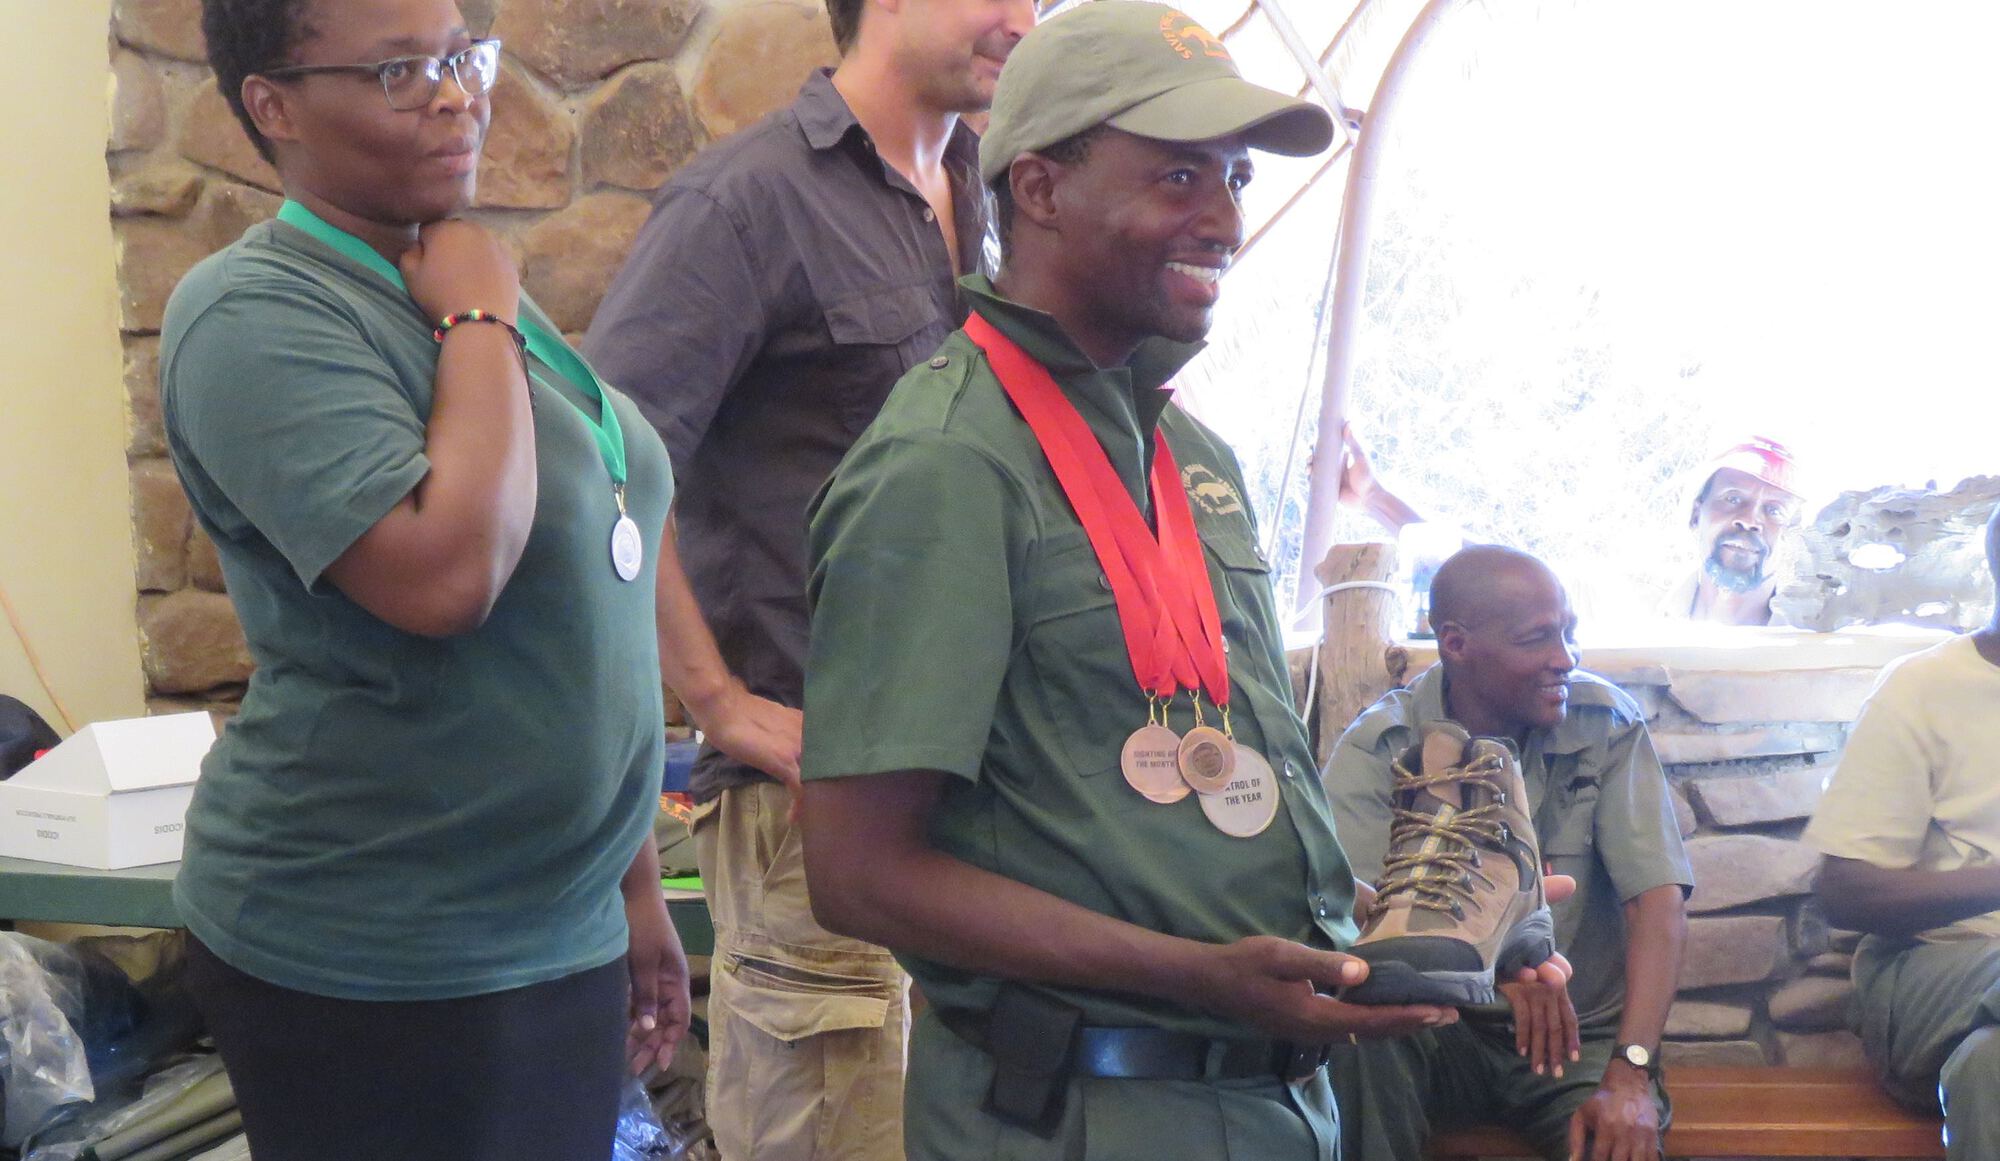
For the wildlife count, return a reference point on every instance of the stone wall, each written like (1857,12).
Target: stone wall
(598,102)
(1763,978)
(1748,736)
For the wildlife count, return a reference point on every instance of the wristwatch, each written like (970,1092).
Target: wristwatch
(1638,1056)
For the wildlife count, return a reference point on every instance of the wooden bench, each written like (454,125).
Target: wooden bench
(1757,1113)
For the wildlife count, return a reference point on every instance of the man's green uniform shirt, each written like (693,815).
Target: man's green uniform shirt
(961,623)
(1599,799)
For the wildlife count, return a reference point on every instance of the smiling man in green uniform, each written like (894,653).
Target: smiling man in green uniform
(1577,1074)
(1120,915)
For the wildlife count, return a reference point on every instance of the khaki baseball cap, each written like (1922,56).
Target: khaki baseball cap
(1147,69)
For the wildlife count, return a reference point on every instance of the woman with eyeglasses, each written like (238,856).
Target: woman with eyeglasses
(420,877)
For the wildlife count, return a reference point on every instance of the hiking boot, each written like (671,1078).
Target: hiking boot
(1461,892)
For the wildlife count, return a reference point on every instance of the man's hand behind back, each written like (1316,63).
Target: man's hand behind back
(756,731)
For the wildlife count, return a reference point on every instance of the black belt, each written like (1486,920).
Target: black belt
(1157,1054)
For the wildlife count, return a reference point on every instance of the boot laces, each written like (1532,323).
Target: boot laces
(1439,876)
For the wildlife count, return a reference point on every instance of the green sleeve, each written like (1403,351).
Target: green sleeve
(1360,790)
(912,609)
(1638,835)
(286,420)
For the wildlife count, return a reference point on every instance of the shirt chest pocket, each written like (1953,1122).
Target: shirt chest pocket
(1248,607)
(877,335)
(1077,659)
(1570,821)
(1242,579)
(1076,646)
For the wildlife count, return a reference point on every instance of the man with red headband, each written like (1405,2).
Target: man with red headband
(1749,498)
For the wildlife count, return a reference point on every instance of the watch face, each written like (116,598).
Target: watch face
(1637,1056)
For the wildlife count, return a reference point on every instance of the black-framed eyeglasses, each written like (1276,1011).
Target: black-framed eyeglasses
(411,82)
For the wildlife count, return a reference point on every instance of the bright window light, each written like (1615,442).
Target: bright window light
(1614,238)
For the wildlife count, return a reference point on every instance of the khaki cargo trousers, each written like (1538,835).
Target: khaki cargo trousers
(807,1029)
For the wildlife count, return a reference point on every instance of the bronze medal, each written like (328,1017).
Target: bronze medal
(1246,806)
(1151,763)
(1207,759)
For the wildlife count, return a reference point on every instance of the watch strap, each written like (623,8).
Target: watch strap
(1639,1056)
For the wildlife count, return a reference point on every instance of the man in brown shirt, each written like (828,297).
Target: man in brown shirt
(786,279)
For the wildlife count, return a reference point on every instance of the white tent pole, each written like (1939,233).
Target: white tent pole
(1321,83)
(1322,319)
(1307,58)
(1350,282)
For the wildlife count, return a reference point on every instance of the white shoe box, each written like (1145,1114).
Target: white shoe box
(113,795)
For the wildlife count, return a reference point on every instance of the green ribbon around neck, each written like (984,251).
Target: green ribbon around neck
(549,349)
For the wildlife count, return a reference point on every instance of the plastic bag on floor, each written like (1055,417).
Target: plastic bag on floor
(74,1027)
(678,1096)
(158,1021)
(43,1066)
(191,1095)
(641,1136)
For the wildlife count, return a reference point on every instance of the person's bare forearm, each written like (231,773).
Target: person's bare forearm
(436,562)
(1655,932)
(1902,902)
(642,875)
(753,730)
(918,900)
(874,875)
(481,444)
(690,662)
(1390,510)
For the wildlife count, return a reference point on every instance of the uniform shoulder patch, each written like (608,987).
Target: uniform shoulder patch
(1210,490)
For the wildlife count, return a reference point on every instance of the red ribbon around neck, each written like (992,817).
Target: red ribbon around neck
(1166,602)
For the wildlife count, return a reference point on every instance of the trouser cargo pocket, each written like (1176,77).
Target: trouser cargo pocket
(808,1061)
(789,1000)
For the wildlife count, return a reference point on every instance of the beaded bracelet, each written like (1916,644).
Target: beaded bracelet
(482,316)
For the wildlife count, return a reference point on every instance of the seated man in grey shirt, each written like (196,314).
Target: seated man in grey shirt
(1562,1075)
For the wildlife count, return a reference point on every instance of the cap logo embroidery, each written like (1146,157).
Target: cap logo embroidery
(1183,35)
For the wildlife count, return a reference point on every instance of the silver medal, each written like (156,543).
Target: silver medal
(628,551)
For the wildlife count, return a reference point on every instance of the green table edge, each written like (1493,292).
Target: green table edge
(143,897)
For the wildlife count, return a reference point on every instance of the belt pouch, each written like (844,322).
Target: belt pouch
(1032,1040)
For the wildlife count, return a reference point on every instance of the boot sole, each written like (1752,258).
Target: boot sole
(1391,981)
